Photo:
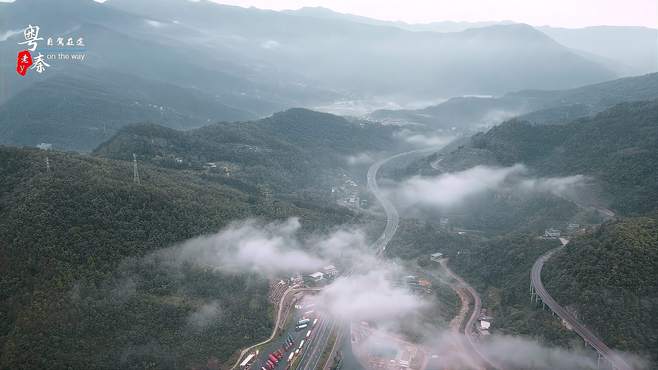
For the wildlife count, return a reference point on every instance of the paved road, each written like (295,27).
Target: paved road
(277,324)
(578,327)
(313,353)
(316,345)
(282,314)
(468,329)
(392,217)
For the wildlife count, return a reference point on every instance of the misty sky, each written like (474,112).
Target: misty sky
(563,13)
(558,13)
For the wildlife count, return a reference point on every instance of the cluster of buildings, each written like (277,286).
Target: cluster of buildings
(327,273)
(571,229)
(436,257)
(484,324)
(347,194)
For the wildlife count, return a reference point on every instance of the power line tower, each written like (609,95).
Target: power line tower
(135,172)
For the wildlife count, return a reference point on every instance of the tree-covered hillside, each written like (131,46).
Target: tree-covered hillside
(618,148)
(535,106)
(610,279)
(287,152)
(75,288)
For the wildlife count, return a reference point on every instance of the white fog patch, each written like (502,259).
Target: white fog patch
(268,248)
(515,352)
(153,23)
(4,36)
(359,159)
(270,44)
(453,188)
(249,246)
(423,139)
(497,116)
(367,297)
(204,315)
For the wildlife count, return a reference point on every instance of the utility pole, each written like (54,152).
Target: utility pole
(135,172)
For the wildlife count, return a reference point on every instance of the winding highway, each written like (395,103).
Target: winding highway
(589,337)
(392,217)
(477,308)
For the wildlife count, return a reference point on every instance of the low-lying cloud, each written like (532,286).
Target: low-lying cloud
(250,246)
(453,188)
(423,139)
(367,297)
(360,159)
(515,352)
(204,315)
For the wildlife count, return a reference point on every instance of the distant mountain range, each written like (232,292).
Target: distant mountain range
(190,63)
(536,106)
(626,50)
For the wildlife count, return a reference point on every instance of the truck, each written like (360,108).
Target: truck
(301,327)
(303,321)
(247,360)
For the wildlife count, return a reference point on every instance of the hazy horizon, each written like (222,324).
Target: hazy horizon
(558,13)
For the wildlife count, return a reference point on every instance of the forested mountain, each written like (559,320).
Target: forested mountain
(264,61)
(626,50)
(76,290)
(79,111)
(606,276)
(609,280)
(617,148)
(536,106)
(288,152)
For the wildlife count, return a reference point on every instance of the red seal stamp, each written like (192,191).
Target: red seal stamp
(24,61)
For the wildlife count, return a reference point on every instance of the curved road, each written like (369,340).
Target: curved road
(277,324)
(477,307)
(392,217)
(578,327)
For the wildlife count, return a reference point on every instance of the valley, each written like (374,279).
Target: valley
(201,185)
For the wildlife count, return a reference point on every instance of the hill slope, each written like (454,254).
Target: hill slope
(289,151)
(80,111)
(609,279)
(77,291)
(383,60)
(537,106)
(617,148)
